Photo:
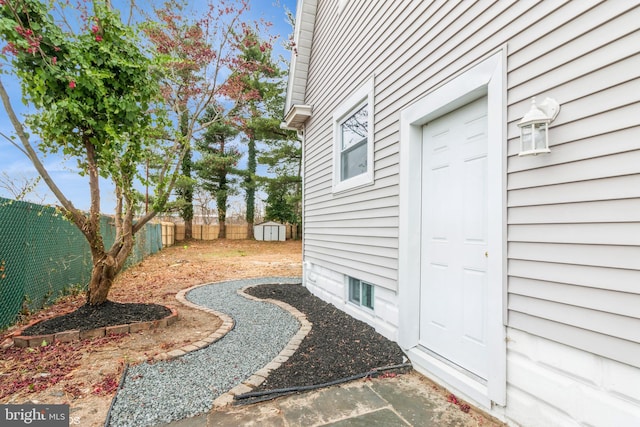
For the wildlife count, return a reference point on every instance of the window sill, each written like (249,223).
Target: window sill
(354,183)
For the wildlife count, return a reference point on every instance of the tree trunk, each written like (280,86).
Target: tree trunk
(187,191)
(221,204)
(107,265)
(102,276)
(222,232)
(251,186)
(188,229)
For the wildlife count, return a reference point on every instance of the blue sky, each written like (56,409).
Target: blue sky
(19,167)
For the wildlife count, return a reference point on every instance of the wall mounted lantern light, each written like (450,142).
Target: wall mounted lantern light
(534,127)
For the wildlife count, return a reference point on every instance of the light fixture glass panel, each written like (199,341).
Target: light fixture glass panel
(540,136)
(526,138)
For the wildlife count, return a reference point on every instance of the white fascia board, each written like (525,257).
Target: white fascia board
(299,65)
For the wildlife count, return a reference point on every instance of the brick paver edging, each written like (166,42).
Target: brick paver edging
(75,335)
(258,377)
(227,324)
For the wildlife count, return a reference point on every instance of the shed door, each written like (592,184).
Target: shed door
(453,290)
(271,232)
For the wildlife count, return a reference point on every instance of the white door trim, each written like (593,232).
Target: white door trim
(484,78)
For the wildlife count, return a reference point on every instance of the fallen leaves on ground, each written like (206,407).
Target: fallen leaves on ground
(36,368)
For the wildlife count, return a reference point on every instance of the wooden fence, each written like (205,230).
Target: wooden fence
(168,233)
(210,232)
(172,233)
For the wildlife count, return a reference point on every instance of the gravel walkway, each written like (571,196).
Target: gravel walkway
(187,386)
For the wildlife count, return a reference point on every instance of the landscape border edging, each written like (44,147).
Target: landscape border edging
(261,375)
(227,325)
(23,341)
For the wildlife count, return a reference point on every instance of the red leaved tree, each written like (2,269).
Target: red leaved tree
(202,54)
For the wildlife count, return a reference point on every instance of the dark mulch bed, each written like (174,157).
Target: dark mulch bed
(338,346)
(92,317)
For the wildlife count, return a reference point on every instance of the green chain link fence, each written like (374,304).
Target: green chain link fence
(42,255)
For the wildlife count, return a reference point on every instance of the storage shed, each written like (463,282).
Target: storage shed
(270,230)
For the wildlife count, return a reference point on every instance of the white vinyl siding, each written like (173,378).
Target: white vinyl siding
(573,215)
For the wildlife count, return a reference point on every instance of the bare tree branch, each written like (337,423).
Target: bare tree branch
(78,217)
(12,142)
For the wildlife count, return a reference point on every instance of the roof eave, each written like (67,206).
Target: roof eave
(300,55)
(297,116)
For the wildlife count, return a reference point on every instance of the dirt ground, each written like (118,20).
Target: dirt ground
(86,374)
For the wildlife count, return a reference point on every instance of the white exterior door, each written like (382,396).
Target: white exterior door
(453,289)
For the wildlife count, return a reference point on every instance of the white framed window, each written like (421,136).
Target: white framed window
(353,140)
(361,293)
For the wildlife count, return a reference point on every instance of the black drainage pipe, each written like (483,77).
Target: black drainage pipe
(272,394)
